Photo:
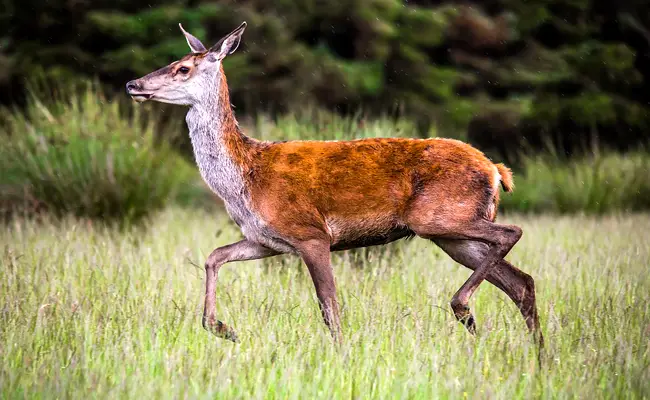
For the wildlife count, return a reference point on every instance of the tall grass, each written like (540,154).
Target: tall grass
(81,153)
(597,184)
(91,311)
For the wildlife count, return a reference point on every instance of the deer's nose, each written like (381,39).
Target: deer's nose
(132,85)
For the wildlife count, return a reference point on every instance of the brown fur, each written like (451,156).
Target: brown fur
(364,192)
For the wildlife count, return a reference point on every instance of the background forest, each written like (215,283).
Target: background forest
(506,70)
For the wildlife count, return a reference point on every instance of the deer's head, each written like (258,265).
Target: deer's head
(188,80)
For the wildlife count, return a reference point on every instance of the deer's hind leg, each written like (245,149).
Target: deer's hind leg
(518,285)
(498,238)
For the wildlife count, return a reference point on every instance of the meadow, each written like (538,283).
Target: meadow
(106,228)
(89,309)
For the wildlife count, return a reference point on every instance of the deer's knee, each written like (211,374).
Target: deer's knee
(506,238)
(214,262)
(512,235)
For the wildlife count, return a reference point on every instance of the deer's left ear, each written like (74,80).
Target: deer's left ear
(229,43)
(195,44)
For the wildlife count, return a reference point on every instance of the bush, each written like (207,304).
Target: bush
(81,153)
(443,63)
(600,184)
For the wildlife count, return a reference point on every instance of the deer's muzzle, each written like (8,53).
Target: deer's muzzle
(134,89)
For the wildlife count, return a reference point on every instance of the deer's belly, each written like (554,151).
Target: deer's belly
(374,239)
(366,230)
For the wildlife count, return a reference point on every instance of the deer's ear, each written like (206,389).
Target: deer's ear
(229,43)
(195,44)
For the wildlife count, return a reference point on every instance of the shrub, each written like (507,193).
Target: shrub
(82,153)
(599,184)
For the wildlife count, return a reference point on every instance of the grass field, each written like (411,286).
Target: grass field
(89,311)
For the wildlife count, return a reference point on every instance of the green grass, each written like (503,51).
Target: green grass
(315,124)
(92,311)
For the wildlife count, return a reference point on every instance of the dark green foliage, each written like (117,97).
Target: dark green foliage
(82,155)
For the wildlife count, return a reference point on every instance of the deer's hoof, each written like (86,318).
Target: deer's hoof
(221,330)
(465,317)
(470,324)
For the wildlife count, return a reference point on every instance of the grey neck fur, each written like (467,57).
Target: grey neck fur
(208,124)
(205,121)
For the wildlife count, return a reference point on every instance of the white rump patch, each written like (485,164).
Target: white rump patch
(497,179)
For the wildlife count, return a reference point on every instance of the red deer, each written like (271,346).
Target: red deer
(310,198)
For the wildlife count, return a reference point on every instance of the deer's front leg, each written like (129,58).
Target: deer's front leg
(240,251)
(316,254)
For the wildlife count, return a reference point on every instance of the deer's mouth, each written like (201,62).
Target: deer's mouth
(140,97)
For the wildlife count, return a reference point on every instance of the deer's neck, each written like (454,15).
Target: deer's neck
(222,151)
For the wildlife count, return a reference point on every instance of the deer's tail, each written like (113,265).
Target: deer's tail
(506,177)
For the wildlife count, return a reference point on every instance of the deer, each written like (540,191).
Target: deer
(309,198)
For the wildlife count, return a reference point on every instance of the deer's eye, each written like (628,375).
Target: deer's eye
(183,70)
